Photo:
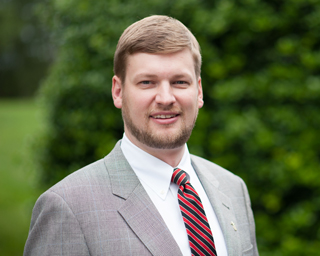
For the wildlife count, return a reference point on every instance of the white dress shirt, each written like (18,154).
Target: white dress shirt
(155,177)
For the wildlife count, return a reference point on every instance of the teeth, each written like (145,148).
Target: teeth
(163,116)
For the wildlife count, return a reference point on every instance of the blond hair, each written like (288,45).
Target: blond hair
(155,34)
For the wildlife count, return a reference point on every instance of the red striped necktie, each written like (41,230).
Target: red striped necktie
(195,220)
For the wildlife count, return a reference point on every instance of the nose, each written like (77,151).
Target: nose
(165,94)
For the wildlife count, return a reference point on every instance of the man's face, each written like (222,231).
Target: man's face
(159,99)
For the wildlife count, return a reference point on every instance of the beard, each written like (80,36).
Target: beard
(149,137)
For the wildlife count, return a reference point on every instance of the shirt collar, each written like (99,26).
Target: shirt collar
(150,170)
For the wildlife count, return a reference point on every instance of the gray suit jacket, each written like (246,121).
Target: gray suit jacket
(102,209)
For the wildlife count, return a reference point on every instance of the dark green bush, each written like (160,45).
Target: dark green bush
(261,80)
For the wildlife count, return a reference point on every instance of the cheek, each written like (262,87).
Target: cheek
(190,102)
(144,101)
(138,107)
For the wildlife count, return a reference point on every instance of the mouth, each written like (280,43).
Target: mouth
(164,116)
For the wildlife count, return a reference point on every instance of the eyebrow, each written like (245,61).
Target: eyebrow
(184,75)
(152,76)
(145,75)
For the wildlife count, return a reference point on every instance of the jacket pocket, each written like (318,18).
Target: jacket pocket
(248,252)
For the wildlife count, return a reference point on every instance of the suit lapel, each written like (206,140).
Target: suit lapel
(221,204)
(138,210)
(143,218)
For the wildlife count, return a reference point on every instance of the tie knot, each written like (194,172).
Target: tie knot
(179,177)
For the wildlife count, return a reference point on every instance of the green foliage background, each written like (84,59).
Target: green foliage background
(25,49)
(20,121)
(261,80)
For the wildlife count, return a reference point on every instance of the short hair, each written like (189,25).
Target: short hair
(155,34)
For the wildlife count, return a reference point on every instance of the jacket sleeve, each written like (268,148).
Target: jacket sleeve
(54,229)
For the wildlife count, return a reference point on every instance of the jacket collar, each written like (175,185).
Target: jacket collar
(137,209)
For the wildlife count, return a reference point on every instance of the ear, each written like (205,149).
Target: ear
(200,94)
(117,91)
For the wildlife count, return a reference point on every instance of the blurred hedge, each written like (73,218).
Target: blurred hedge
(261,80)
(25,49)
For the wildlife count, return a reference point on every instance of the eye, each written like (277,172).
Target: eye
(180,82)
(145,82)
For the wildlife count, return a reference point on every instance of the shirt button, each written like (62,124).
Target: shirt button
(162,192)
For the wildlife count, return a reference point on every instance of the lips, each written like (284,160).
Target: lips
(164,116)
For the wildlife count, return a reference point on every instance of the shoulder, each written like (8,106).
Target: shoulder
(75,192)
(93,178)
(224,179)
(95,173)
(216,170)
(90,175)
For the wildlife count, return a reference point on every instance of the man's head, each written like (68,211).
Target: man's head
(155,34)
(157,83)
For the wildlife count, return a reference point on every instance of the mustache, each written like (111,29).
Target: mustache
(165,108)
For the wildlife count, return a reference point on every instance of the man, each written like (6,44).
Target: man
(149,196)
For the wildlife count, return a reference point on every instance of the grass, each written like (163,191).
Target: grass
(20,121)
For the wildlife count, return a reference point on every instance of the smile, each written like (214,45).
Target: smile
(164,116)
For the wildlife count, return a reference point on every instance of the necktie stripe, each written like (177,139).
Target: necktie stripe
(195,220)
(194,215)
(203,248)
(191,190)
(191,193)
(182,179)
(175,176)
(195,225)
(179,177)
(200,224)
(192,207)
(191,197)
(199,235)
(195,250)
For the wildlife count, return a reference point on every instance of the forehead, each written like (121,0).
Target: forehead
(164,64)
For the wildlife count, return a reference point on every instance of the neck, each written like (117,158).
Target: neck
(170,156)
